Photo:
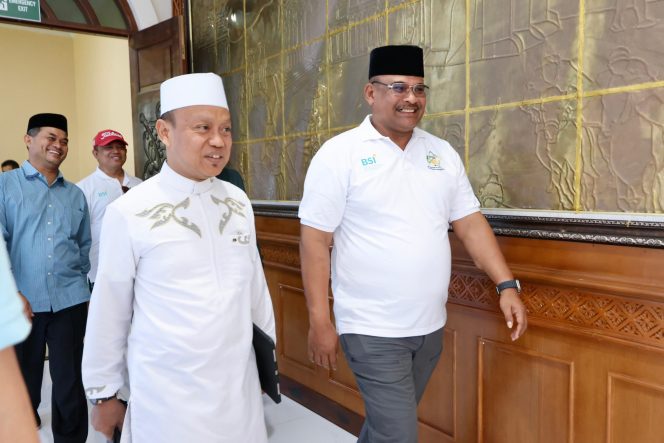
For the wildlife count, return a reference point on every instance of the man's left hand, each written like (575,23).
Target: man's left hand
(514,309)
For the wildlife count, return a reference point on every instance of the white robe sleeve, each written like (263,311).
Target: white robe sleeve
(111,307)
(262,313)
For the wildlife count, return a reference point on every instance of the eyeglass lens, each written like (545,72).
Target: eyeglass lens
(402,88)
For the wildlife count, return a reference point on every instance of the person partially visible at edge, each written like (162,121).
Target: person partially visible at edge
(386,192)
(45,222)
(17,420)
(232,176)
(9,165)
(178,286)
(107,183)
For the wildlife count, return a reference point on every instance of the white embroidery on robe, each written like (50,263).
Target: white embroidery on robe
(164,213)
(233,206)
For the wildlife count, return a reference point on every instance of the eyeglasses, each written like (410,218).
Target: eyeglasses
(402,88)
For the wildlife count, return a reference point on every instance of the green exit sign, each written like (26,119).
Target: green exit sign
(20,9)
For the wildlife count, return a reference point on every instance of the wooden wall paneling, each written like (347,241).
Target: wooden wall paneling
(279,250)
(588,370)
(523,395)
(634,410)
(437,409)
(293,312)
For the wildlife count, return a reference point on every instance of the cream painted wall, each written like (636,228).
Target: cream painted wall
(37,76)
(103,94)
(82,76)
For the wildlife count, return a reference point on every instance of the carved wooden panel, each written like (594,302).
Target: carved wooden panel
(634,410)
(590,312)
(530,391)
(281,251)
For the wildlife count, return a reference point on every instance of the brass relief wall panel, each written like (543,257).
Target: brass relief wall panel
(553,105)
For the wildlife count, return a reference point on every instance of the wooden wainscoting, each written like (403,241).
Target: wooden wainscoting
(590,368)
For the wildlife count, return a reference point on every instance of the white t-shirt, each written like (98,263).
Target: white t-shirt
(100,190)
(389,210)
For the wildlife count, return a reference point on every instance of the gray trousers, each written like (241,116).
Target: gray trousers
(391,374)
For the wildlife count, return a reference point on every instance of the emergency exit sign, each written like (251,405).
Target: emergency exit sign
(20,9)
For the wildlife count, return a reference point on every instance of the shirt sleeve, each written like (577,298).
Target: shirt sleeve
(111,307)
(262,312)
(84,237)
(14,326)
(325,189)
(464,201)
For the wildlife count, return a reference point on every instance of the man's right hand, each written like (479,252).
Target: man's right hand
(323,344)
(27,309)
(107,416)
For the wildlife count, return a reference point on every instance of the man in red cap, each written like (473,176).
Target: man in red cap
(104,185)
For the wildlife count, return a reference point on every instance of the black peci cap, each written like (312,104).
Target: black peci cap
(50,120)
(397,60)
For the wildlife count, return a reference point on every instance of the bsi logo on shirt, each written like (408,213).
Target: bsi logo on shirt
(102,194)
(369,160)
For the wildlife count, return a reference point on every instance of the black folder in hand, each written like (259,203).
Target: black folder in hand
(266,360)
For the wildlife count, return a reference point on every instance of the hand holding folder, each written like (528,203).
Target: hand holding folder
(266,361)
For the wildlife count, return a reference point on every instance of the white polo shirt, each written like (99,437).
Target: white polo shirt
(389,210)
(100,190)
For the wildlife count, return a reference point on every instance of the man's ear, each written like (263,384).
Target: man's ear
(94,152)
(369,93)
(164,131)
(27,140)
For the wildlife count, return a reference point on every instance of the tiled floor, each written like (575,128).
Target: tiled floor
(287,422)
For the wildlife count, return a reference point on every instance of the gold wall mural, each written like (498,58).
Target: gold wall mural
(554,105)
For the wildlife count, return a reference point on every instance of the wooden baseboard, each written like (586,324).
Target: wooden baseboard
(321,405)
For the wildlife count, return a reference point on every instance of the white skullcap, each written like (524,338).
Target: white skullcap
(192,89)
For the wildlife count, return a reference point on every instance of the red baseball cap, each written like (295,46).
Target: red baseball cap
(107,136)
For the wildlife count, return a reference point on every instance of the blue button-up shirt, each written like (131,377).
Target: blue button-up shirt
(47,230)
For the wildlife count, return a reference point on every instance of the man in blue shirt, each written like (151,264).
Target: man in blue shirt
(44,220)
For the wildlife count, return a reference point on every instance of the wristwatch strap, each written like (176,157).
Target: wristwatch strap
(509,284)
(98,401)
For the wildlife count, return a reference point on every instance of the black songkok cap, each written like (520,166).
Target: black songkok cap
(50,120)
(397,60)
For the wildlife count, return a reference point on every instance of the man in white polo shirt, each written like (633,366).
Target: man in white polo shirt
(386,193)
(107,183)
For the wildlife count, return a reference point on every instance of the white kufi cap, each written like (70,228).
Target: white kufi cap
(191,90)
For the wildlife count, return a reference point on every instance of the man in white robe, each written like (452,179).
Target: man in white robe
(178,286)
